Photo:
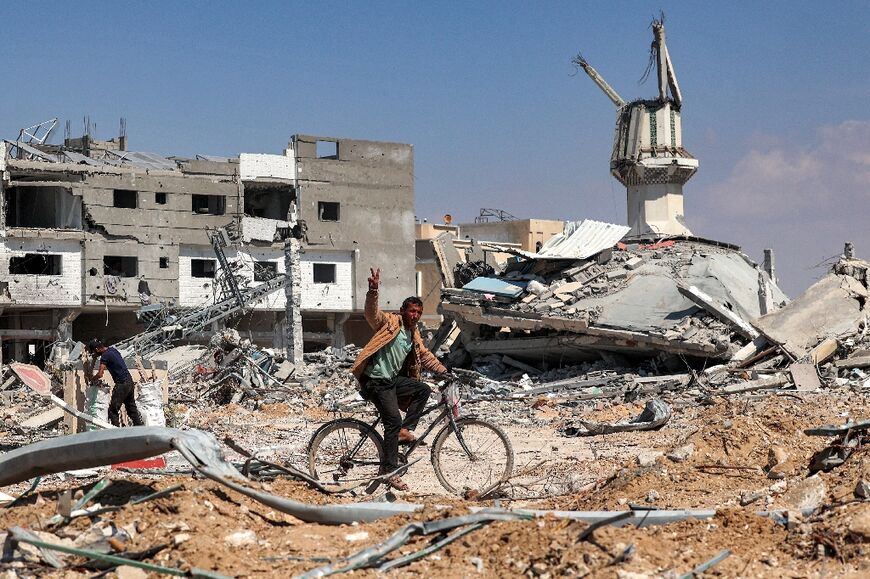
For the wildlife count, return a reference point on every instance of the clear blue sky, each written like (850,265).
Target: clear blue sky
(775,99)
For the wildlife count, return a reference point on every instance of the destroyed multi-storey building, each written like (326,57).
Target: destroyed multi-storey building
(92,231)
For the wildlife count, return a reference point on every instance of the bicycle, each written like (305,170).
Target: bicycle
(471,457)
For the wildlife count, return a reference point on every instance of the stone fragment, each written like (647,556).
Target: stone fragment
(648,457)
(128,572)
(241,538)
(808,494)
(358,536)
(862,489)
(634,262)
(180,538)
(860,523)
(682,453)
(652,496)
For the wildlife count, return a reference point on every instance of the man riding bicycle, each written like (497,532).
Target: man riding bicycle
(388,370)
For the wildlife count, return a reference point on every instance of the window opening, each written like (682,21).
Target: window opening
(35,264)
(327,150)
(160,198)
(208,204)
(203,267)
(328,210)
(164,262)
(124,198)
(120,265)
(324,273)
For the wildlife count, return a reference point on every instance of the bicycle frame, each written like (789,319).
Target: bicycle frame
(445,413)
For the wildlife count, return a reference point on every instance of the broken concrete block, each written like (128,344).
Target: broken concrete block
(634,262)
(860,523)
(648,458)
(535,287)
(616,274)
(807,494)
(547,295)
(529,298)
(284,371)
(682,453)
(542,307)
(129,572)
(568,288)
(241,538)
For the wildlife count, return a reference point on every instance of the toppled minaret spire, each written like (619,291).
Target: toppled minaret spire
(648,155)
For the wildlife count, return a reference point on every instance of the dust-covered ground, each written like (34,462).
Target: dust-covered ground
(719,458)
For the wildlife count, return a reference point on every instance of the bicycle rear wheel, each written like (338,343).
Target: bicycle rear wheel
(489,464)
(345,451)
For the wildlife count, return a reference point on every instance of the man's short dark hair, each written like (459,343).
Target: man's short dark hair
(94,344)
(412,300)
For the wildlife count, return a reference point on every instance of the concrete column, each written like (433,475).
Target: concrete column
(849,250)
(769,265)
(338,340)
(293,292)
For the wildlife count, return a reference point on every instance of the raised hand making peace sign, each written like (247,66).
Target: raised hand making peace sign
(375,279)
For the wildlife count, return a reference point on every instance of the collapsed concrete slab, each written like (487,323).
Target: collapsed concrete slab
(833,306)
(644,297)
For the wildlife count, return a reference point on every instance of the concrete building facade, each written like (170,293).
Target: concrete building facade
(90,231)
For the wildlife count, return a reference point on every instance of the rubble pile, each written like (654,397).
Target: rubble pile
(677,297)
(232,370)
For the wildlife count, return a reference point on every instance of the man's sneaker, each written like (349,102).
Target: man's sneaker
(397,483)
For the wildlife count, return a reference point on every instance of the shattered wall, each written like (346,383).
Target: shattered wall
(62,289)
(371,186)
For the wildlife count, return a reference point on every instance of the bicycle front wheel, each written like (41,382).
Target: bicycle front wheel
(477,465)
(345,451)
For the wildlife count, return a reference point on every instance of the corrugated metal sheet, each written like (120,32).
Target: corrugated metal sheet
(579,240)
(583,239)
(145,160)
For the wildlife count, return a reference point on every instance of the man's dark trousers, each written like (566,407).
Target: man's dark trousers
(123,394)
(385,395)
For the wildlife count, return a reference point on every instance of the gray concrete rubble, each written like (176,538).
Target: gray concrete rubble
(640,298)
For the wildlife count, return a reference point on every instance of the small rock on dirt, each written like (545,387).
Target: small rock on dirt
(807,494)
(241,538)
(862,489)
(860,523)
(682,453)
(354,537)
(648,458)
(128,572)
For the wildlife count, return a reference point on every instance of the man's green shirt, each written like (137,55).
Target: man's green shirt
(387,362)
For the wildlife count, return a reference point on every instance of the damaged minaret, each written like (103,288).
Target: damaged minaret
(648,155)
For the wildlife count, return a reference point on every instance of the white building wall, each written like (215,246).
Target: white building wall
(194,291)
(51,290)
(332,297)
(253,165)
(336,296)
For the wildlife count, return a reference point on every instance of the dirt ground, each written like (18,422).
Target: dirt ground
(209,526)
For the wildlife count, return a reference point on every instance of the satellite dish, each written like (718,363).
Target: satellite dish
(448,219)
